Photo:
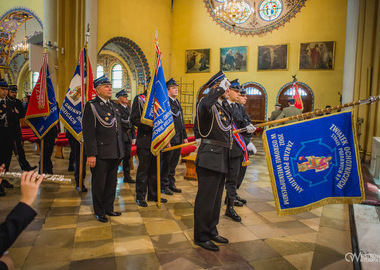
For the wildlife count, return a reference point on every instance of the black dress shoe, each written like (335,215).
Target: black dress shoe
(162,200)
(84,189)
(238,203)
(207,245)
(141,203)
(113,214)
(219,239)
(128,179)
(101,218)
(175,189)
(241,199)
(230,212)
(167,191)
(6,184)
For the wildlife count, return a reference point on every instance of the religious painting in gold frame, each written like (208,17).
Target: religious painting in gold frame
(198,61)
(272,57)
(317,55)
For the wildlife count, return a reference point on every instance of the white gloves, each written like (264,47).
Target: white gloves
(224,84)
(133,141)
(198,140)
(251,148)
(250,128)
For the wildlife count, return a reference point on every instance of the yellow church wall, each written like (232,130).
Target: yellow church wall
(137,21)
(319,20)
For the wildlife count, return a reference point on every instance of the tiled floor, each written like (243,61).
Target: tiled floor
(65,234)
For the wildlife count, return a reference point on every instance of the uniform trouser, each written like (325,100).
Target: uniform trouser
(72,152)
(168,165)
(48,151)
(146,177)
(6,143)
(207,203)
(232,176)
(242,171)
(76,154)
(127,157)
(20,153)
(103,183)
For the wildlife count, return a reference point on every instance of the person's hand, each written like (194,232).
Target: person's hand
(91,161)
(29,186)
(250,128)
(134,141)
(168,145)
(2,169)
(198,140)
(225,84)
(8,261)
(185,141)
(251,148)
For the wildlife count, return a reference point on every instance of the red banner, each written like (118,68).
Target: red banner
(298,101)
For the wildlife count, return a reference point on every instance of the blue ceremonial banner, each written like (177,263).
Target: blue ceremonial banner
(41,125)
(313,163)
(157,111)
(81,84)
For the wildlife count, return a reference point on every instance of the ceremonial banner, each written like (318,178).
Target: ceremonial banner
(81,89)
(42,112)
(298,101)
(157,111)
(313,163)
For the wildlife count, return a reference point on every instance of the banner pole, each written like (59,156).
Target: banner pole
(158,180)
(178,146)
(371,99)
(42,157)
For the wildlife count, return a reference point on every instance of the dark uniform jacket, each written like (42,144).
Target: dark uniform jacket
(213,153)
(240,122)
(179,123)
(14,224)
(101,139)
(20,111)
(126,125)
(8,114)
(144,132)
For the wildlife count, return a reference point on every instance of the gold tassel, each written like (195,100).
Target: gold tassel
(245,163)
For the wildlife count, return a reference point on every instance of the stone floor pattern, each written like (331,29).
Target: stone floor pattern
(65,234)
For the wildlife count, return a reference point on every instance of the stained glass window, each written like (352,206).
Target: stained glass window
(270,10)
(117,76)
(35,76)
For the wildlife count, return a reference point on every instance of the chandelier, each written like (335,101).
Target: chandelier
(233,11)
(22,47)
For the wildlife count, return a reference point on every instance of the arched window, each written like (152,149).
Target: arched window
(117,76)
(305,92)
(99,71)
(34,79)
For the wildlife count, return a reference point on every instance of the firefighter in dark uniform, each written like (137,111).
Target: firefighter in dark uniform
(8,120)
(170,159)
(17,146)
(243,120)
(146,177)
(129,134)
(213,125)
(104,147)
(237,153)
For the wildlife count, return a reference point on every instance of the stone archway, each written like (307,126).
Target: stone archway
(305,92)
(132,55)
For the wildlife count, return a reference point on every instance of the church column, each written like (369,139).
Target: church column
(50,35)
(92,21)
(350,51)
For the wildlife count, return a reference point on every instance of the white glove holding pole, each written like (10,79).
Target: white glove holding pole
(198,140)
(250,129)
(225,84)
(251,148)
